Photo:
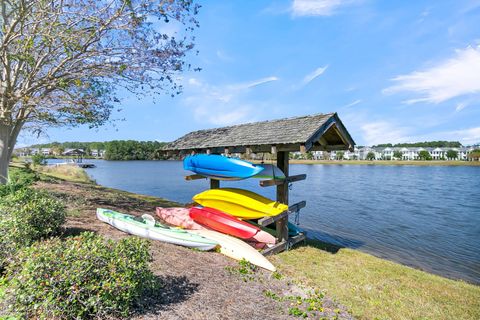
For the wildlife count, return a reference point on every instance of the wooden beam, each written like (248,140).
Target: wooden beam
(293,208)
(282,196)
(297,206)
(273,150)
(279,247)
(284,245)
(303,150)
(269,220)
(214,184)
(276,182)
(194,177)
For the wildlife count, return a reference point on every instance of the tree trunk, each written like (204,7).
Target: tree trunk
(5,133)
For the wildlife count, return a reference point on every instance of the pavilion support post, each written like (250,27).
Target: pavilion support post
(214,184)
(282,196)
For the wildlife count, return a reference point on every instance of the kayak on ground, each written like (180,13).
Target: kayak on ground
(240,203)
(236,248)
(220,167)
(147,227)
(179,217)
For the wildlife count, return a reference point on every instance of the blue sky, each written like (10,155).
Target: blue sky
(395,71)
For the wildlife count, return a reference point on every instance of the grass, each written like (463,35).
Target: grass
(373,288)
(65,172)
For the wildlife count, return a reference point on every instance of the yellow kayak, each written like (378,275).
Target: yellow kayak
(240,203)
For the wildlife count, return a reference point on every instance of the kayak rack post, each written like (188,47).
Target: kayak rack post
(214,184)
(282,196)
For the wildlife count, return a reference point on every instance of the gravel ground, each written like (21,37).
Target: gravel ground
(196,285)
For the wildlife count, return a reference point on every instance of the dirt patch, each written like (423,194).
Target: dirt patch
(196,285)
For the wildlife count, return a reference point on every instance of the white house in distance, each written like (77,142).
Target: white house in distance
(408,153)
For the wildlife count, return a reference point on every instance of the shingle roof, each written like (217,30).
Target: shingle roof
(305,130)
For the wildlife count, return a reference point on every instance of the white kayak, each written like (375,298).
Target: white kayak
(236,248)
(147,227)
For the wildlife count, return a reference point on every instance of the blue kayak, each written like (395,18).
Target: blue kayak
(220,168)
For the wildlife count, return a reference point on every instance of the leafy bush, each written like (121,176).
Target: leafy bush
(79,278)
(39,159)
(18,179)
(27,215)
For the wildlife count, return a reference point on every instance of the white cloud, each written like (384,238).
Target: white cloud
(383,132)
(315,74)
(258,82)
(465,136)
(222,104)
(318,7)
(354,103)
(222,55)
(455,77)
(460,106)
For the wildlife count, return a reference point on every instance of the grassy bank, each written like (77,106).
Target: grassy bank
(384,162)
(374,288)
(64,172)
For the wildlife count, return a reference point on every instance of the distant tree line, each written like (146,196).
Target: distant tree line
(434,144)
(114,150)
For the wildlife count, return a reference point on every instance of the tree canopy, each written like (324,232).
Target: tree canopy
(452,154)
(63,62)
(370,156)
(114,150)
(433,144)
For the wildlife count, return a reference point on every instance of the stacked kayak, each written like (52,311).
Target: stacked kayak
(147,227)
(240,203)
(221,168)
(225,223)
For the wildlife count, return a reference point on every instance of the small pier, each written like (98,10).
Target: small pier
(86,165)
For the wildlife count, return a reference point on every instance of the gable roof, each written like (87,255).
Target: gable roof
(312,132)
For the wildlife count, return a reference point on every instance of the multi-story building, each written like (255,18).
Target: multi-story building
(407,153)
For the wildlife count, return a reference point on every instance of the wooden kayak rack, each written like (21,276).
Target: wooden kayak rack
(317,132)
(284,242)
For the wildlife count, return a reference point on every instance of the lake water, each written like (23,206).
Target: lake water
(427,217)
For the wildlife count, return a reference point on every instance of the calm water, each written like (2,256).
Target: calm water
(426,217)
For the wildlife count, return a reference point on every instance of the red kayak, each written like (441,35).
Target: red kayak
(225,223)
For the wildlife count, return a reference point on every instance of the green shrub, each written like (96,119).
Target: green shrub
(18,179)
(39,159)
(27,215)
(79,278)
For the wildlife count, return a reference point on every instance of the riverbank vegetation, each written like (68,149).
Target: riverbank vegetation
(112,150)
(374,288)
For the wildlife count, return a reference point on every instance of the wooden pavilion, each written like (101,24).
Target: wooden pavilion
(319,132)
